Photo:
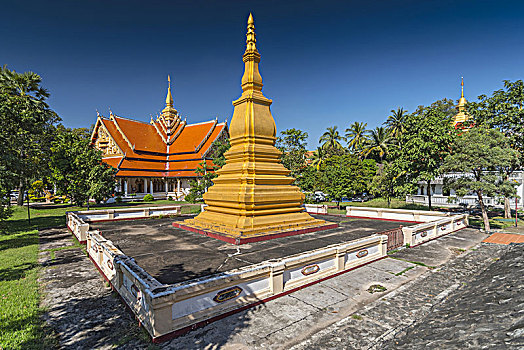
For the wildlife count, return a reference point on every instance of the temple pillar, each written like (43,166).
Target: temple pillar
(125,187)
(151,186)
(145,186)
(178,185)
(166,186)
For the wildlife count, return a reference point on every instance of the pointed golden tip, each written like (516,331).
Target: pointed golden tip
(168,79)
(462,83)
(250,19)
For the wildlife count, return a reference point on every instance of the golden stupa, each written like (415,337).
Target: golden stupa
(252,194)
(461,115)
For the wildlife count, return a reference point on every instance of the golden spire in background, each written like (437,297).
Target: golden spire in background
(461,115)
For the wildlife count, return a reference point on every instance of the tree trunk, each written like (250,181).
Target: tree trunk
(507,208)
(485,218)
(21,190)
(429,195)
(389,202)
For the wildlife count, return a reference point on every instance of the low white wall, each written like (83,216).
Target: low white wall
(78,222)
(165,308)
(316,208)
(395,214)
(418,234)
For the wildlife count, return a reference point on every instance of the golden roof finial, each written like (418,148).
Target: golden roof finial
(251,80)
(251,36)
(169,97)
(462,87)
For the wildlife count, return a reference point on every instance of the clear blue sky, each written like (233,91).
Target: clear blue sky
(324,63)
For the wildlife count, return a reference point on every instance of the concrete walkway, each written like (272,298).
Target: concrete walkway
(86,315)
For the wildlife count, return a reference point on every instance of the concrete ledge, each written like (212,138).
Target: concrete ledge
(78,222)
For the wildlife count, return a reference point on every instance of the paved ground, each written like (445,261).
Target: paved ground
(174,255)
(449,293)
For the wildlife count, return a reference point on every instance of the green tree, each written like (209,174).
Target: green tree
(292,144)
(426,139)
(77,167)
(345,176)
(207,174)
(476,157)
(395,122)
(318,157)
(385,183)
(356,136)
(26,130)
(330,141)
(379,143)
(503,111)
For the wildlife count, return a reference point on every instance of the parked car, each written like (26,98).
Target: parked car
(320,196)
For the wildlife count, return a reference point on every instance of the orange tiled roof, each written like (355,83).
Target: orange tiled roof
(151,151)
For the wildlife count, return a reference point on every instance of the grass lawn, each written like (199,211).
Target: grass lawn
(20,323)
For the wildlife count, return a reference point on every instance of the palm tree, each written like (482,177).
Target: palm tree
(395,122)
(331,139)
(318,157)
(356,136)
(379,142)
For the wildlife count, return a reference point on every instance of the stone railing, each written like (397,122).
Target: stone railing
(415,216)
(316,208)
(78,222)
(418,234)
(429,224)
(164,309)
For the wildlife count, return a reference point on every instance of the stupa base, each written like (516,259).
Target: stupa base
(237,236)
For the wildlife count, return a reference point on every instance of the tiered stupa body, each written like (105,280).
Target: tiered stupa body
(253,193)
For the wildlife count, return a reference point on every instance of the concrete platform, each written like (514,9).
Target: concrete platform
(173,255)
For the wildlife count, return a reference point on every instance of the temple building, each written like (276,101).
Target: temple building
(160,157)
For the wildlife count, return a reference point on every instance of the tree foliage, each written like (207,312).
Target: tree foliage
(77,167)
(26,130)
(200,186)
(356,136)
(475,162)
(379,144)
(345,176)
(292,144)
(504,111)
(330,141)
(426,140)
(387,182)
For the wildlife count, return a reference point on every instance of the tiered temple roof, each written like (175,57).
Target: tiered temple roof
(165,147)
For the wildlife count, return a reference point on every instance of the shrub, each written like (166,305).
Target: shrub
(169,198)
(148,198)
(118,199)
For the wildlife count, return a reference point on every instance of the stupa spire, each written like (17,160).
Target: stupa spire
(169,97)
(462,88)
(251,80)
